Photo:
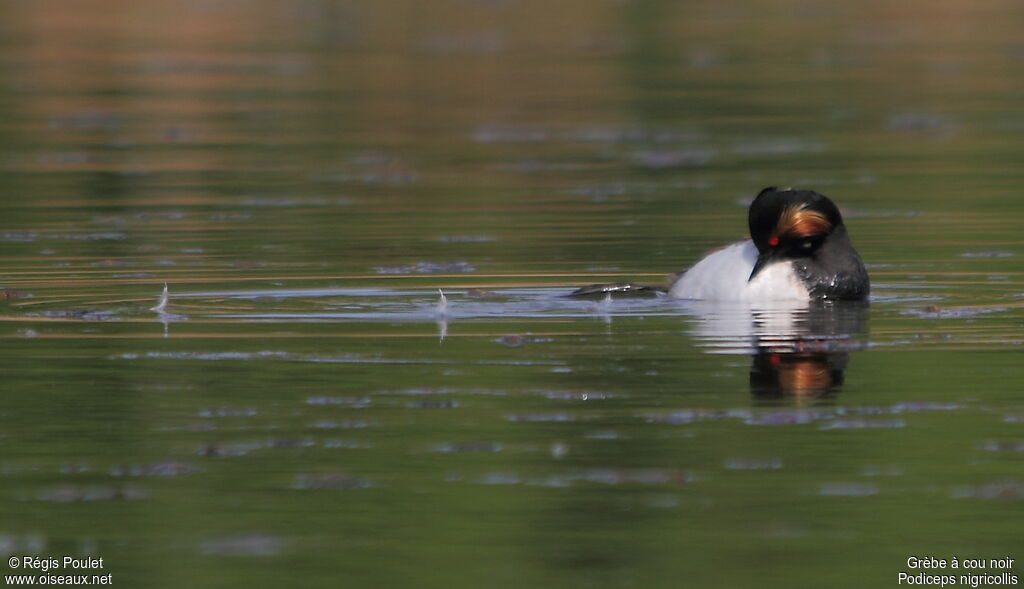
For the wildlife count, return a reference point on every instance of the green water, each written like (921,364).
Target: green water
(305,176)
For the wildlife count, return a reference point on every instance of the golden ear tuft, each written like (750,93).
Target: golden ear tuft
(799,221)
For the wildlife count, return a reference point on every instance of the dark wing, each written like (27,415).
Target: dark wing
(617,288)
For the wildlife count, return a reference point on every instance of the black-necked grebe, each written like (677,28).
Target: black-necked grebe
(798,250)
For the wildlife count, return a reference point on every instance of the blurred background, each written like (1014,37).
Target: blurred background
(291,167)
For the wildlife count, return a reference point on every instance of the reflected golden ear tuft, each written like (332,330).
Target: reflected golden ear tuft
(805,376)
(799,221)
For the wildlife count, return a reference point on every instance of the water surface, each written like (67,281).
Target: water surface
(306,176)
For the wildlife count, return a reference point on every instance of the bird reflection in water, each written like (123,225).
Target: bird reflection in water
(775,375)
(798,352)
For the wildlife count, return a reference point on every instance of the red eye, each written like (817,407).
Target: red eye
(773,241)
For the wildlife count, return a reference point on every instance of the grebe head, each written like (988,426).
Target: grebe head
(790,224)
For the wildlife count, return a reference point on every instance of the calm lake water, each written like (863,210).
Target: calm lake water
(304,176)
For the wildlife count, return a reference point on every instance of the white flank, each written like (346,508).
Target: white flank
(723,275)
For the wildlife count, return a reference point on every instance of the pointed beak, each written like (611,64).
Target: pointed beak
(763,260)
